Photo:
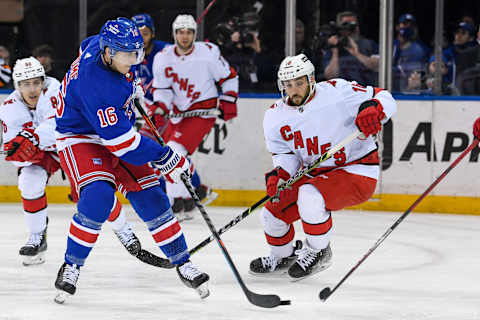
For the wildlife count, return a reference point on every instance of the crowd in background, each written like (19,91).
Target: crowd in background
(250,40)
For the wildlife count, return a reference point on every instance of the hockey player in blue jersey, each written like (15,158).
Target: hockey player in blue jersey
(100,151)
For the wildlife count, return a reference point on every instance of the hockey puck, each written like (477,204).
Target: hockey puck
(324,294)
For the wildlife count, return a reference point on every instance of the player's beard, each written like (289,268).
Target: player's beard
(302,101)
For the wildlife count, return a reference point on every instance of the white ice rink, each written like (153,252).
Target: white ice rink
(428,268)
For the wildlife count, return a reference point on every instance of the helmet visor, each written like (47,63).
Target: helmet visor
(129,57)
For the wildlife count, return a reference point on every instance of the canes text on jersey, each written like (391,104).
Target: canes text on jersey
(183,83)
(311,144)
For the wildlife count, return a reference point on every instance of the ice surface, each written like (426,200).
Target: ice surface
(428,268)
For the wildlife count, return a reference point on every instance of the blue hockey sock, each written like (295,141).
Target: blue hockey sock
(96,200)
(195,179)
(153,207)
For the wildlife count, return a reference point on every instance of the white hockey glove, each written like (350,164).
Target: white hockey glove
(139,93)
(173,165)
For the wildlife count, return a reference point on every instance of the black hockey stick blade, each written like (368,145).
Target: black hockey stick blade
(266,300)
(325,293)
(153,260)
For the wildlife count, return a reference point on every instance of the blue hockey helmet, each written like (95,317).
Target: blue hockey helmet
(144,20)
(122,35)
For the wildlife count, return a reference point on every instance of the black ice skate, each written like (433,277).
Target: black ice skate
(33,252)
(66,282)
(274,266)
(309,262)
(206,196)
(194,278)
(128,239)
(177,208)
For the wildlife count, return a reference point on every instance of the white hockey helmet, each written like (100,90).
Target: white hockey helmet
(293,67)
(27,68)
(184,21)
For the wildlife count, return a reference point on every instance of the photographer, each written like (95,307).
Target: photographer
(351,56)
(241,47)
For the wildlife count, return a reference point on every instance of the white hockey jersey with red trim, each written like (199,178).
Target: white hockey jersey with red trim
(298,136)
(16,115)
(188,79)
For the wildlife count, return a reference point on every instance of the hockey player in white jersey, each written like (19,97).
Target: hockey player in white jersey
(184,79)
(308,120)
(28,117)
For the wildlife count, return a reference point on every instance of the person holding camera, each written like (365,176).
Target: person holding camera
(351,56)
(238,39)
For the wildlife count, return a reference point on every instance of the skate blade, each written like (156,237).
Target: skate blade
(212,196)
(270,275)
(61,296)
(33,260)
(188,216)
(319,269)
(203,290)
(180,216)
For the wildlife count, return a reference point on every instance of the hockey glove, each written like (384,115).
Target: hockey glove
(476,129)
(228,105)
(173,165)
(24,147)
(369,115)
(156,112)
(274,179)
(139,93)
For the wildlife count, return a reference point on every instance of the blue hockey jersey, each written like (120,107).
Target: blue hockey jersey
(96,106)
(144,70)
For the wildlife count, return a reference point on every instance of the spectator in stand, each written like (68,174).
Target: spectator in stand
(423,82)
(239,42)
(351,57)
(5,70)
(44,53)
(408,56)
(459,54)
(407,20)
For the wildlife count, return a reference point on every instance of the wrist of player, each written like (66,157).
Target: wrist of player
(228,105)
(172,165)
(275,178)
(370,114)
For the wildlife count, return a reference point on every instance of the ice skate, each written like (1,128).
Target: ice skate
(66,282)
(272,266)
(309,262)
(206,194)
(188,208)
(34,250)
(128,239)
(177,208)
(194,278)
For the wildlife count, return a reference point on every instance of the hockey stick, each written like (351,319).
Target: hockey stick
(205,11)
(327,292)
(265,301)
(194,113)
(153,260)
(290,181)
